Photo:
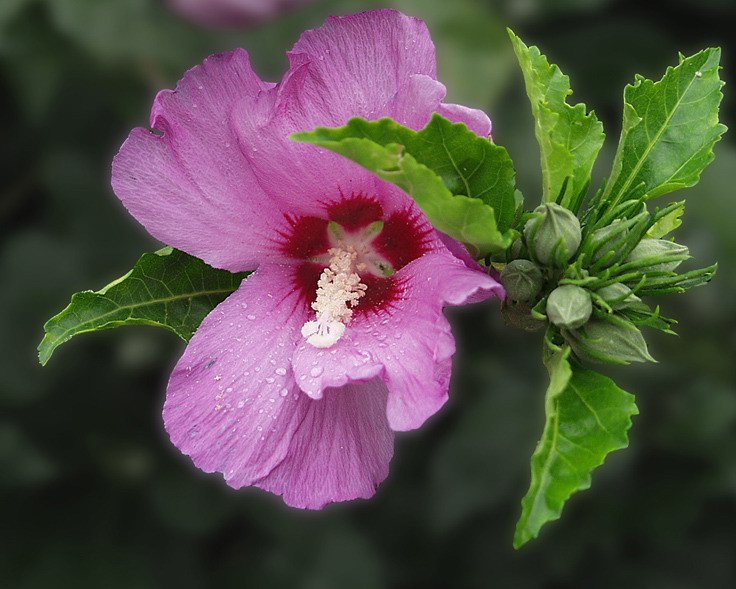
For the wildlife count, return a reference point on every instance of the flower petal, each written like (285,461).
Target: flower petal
(351,67)
(340,451)
(476,120)
(300,178)
(371,65)
(421,96)
(357,63)
(416,100)
(232,404)
(409,346)
(189,184)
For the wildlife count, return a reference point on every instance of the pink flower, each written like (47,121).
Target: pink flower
(296,383)
(229,13)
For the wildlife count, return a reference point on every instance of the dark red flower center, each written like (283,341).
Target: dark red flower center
(382,245)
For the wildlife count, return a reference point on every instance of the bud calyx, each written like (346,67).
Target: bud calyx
(569,306)
(552,235)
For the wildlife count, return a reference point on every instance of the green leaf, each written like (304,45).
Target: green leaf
(167,289)
(569,138)
(669,130)
(462,182)
(667,224)
(588,416)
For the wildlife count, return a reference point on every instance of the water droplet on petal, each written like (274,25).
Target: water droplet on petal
(283,392)
(316,371)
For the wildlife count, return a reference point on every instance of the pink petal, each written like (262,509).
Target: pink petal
(340,450)
(371,65)
(416,100)
(232,404)
(298,177)
(410,346)
(190,186)
(227,390)
(356,64)
(476,120)
(421,96)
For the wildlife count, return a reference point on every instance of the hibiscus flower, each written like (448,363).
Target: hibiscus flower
(297,382)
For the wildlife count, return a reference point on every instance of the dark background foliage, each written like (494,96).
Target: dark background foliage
(92,493)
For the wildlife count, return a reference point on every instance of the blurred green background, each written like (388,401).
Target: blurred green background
(92,493)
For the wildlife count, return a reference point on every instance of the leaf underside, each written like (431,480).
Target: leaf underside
(167,289)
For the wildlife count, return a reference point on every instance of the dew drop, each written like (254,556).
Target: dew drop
(251,317)
(316,371)
(270,380)
(284,392)
(280,371)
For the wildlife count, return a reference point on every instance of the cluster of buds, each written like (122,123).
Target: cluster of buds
(584,279)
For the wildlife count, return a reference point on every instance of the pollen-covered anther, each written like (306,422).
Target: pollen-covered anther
(339,289)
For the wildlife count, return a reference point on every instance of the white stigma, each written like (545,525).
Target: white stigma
(339,289)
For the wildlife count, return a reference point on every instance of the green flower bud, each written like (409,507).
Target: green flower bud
(609,342)
(569,306)
(522,280)
(661,251)
(608,239)
(552,234)
(520,315)
(618,296)
(517,248)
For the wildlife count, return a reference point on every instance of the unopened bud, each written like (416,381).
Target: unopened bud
(608,239)
(609,342)
(618,296)
(569,306)
(552,234)
(522,280)
(661,253)
(517,249)
(519,314)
